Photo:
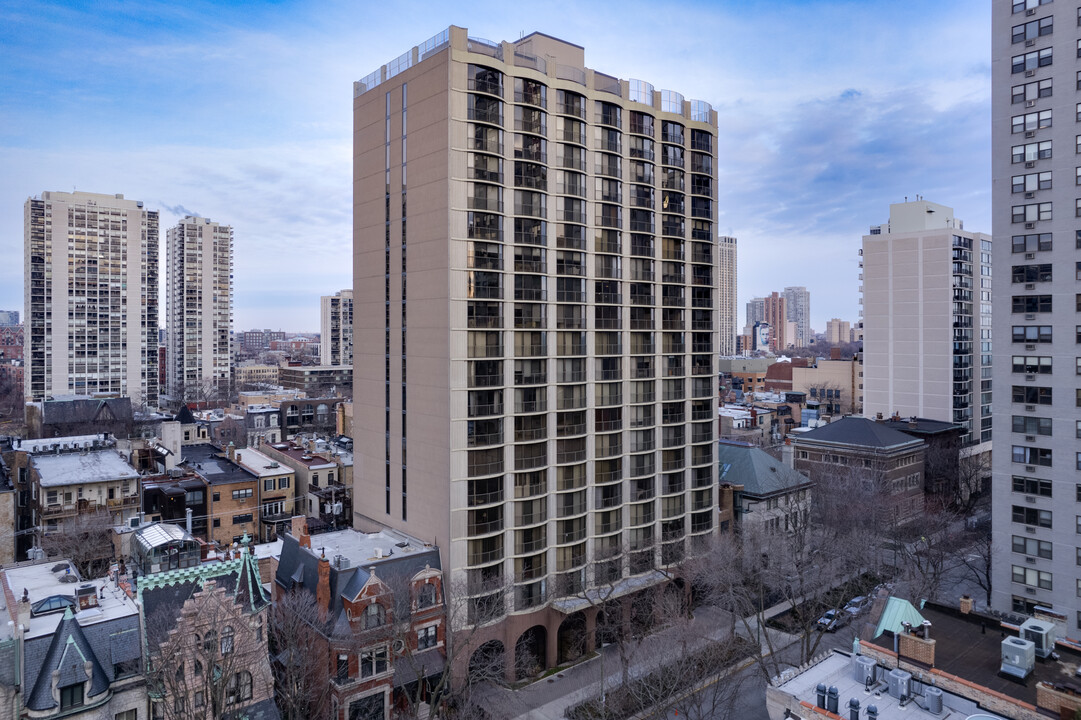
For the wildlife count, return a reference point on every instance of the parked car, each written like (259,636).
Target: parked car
(857,605)
(833,620)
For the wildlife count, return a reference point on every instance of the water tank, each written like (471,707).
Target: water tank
(933,696)
(863,669)
(899,682)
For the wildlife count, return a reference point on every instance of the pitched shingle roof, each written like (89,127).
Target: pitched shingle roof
(760,473)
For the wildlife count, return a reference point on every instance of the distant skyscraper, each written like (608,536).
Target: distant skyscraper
(9,317)
(336,329)
(520,320)
(91,296)
(1035,213)
(838,332)
(726,292)
(756,311)
(923,320)
(199,308)
(775,309)
(798,309)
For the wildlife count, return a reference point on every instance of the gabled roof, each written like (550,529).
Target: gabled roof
(69,648)
(184,417)
(87,410)
(760,473)
(858,431)
(164,594)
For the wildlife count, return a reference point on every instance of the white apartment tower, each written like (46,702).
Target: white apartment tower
(798,311)
(1036,205)
(546,232)
(926,290)
(198,309)
(91,296)
(336,328)
(726,293)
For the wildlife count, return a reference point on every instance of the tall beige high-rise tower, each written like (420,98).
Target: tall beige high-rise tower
(1036,216)
(336,328)
(797,301)
(923,279)
(726,293)
(536,324)
(198,309)
(91,296)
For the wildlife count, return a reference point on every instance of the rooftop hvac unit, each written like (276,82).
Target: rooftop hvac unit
(933,696)
(864,669)
(1042,635)
(1018,657)
(341,562)
(899,682)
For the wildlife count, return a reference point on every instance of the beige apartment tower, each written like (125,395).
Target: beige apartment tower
(536,326)
(926,294)
(336,328)
(198,310)
(91,296)
(726,294)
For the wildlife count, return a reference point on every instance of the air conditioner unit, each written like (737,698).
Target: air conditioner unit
(1030,316)
(864,668)
(899,681)
(1030,560)
(1030,43)
(1030,226)
(1030,11)
(1030,195)
(1030,438)
(1030,134)
(1030,103)
(1030,347)
(1030,256)
(1030,408)
(1030,164)
(1030,286)
(1041,634)
(1030,73)
(1030,468)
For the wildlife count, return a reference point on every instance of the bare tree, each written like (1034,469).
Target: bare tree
(300,659)
(927,552)
(86,539)
(209,661)
(977,559)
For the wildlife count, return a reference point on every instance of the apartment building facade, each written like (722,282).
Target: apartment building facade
(198,309)
(926,300)
(555,266)
(775,310)
(1036,214)
(798,311)
(727,288)
(336,328)
(91,296)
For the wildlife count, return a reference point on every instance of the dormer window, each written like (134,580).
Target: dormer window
(374,616)
(426,596)
(71,696)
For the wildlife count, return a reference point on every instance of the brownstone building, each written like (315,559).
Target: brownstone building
(233,505)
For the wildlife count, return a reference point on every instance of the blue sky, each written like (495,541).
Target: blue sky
(240,112)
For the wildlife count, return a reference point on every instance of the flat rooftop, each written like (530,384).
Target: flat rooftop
(41,445)
(53,578)
(82,468)
(360,547)
(212,465)
(307,458)
(964,649)
(836,670)
(259,464)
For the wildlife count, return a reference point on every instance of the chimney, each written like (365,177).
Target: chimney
(231,450)
(299,530)
(322,590)
(788,455)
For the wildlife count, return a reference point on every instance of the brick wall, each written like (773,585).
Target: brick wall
(918,649)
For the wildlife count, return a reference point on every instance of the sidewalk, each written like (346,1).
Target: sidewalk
(551,697)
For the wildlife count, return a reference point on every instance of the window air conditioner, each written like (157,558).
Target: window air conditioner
(1030,43)
(1031,438)
(1030,408)
(1030,226)
(1030,256)
(1030,286)
(1030,164)
(1030,11)
(1030,134)
(1030,73)
(1030,316)
(1030,103)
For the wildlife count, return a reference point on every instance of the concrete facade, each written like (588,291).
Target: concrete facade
(727,288)
(336,328)
(1035,216)
(91,296)
(198,309)
(926,289)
